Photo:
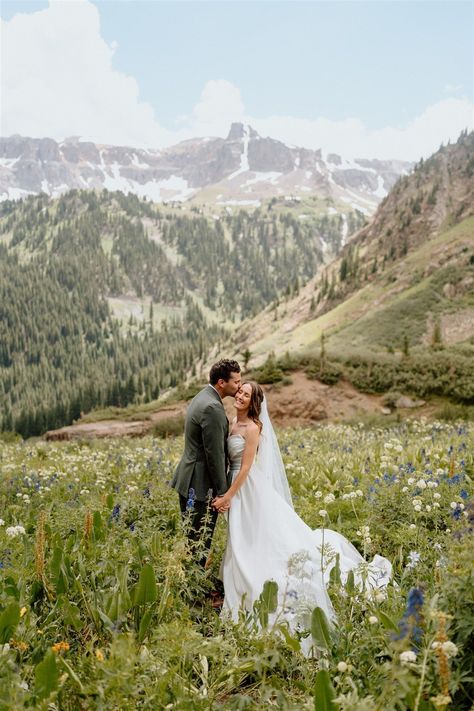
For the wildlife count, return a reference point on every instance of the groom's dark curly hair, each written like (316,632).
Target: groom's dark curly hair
(222,369)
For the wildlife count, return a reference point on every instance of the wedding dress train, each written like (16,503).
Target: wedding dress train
(267,540)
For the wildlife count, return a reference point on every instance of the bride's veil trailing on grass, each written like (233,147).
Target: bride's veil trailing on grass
(269,459)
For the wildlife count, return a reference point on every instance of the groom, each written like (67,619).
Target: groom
(201,474)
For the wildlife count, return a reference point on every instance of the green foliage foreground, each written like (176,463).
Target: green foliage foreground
(101,606)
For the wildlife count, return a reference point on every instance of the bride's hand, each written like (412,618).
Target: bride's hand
(221,503)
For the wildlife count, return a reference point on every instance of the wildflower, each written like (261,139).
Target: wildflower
(23,611)
(116,512)
(405,489)
(410,624)
(408,657)
(417,508)
(14,531)
(190,501)
(436,495)
(323,513)
(329,498)
(60,647)
(99,655)
(412,526)
(2,522)
(449,648)
(373,620)
(342,667)
(318,494)
(421,484)
(413,560)
(19,644)
(442,654)
(441,701)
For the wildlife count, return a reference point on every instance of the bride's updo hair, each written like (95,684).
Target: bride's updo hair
(256,400)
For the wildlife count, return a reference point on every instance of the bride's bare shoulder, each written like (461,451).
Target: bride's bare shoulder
(252,429)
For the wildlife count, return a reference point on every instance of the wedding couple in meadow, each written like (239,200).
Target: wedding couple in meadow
(236,469)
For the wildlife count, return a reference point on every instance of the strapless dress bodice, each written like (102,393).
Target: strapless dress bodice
(235,448)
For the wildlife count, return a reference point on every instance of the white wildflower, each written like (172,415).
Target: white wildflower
(329,498)
(14,531)
(408,657)
(373,620)
(342,667)
(449,648)
(413,559)
(436,495)
(323,512)
(421,484)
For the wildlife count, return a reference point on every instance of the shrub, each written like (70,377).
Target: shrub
(169,427)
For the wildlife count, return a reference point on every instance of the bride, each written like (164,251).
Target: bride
(267,540)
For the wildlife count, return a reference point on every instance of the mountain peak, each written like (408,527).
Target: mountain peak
(239,130)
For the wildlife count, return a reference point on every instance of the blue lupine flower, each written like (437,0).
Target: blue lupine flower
(190,501)
(116,512)
(132,526)
(410,624)
(146,492)
(463,494)
(456,514)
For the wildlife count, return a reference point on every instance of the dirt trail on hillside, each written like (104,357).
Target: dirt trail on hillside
(301,402)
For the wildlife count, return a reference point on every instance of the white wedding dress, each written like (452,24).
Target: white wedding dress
(267,540)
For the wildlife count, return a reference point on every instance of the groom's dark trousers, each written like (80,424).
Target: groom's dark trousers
(202,472)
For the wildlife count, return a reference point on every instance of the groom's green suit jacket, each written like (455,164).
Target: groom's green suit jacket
(203,465)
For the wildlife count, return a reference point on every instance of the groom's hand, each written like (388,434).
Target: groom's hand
(221,503)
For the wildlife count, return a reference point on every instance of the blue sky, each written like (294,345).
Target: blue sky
(365,66)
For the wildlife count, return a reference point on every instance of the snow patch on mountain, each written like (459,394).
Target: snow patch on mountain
(267,177)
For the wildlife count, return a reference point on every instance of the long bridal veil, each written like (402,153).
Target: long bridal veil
(269,460)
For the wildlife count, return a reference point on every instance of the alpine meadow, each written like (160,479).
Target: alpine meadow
(265,209)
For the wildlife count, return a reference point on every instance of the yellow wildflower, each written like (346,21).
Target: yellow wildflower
(99,654)
(23,611)
(60,647)
(19,644)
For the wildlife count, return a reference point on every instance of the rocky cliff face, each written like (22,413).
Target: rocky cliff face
(243,168)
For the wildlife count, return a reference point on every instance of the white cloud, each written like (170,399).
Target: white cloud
(421,136)
(58,80)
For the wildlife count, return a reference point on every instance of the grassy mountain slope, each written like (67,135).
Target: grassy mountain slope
(404,280)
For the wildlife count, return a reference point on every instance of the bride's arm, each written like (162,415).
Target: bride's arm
(251,444)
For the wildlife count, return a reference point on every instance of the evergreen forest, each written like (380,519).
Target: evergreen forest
(63,348)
